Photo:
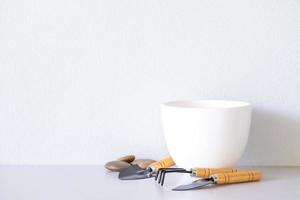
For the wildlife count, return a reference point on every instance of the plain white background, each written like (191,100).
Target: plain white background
(81,82)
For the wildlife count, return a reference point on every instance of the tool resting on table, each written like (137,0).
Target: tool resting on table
(222,179)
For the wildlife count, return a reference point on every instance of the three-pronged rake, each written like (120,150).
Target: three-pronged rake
(195,172)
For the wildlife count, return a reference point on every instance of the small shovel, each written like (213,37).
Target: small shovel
(222,179)
(135,172)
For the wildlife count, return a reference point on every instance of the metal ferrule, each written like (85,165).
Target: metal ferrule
(193,174)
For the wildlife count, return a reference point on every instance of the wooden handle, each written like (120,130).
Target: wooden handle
(166,162)
(236,177)
(207,172)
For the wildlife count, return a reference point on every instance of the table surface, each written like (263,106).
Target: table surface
(94,182)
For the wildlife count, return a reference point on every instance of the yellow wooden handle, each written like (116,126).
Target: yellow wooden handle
(166,162)
(237,177)
(207,172)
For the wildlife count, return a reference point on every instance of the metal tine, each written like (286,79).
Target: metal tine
(163,172)
(158,174)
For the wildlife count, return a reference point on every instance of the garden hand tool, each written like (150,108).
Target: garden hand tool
(195,172)
(222,179)
(135,172)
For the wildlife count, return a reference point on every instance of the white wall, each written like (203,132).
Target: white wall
(81,81)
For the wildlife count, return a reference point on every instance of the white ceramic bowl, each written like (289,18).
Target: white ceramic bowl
(207,133)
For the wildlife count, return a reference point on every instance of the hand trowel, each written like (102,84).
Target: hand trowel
(222,179)
(135,172)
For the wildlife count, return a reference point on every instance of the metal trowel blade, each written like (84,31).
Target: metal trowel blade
(194,185)
(133,172)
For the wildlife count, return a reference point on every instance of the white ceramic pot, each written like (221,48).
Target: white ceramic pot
(207,133)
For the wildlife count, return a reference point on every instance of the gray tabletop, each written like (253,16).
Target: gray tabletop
(94,182)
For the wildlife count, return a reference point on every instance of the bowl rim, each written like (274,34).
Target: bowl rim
(206,104)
